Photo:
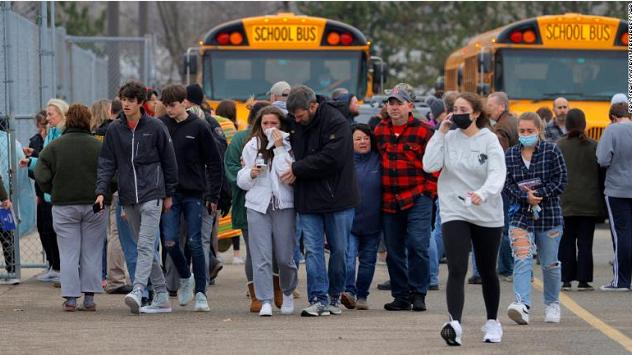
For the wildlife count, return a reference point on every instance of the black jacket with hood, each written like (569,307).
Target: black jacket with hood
(199,164)
(143,160)
(324,167)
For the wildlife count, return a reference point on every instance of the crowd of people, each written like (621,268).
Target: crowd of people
(155,170)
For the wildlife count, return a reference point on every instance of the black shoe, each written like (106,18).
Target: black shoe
(433,288)
(384,286)
(173,293)
(214,269)
(443,260)
(584,286)
(418,301)
(211,282)
(397,305)
(123,290)
(566,286)
(474,280)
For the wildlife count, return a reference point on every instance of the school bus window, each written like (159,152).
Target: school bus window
(545,74)
(323,71)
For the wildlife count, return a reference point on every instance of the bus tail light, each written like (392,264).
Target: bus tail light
(333,38)
(340,34)
(236,38)
(223,39)
(516,37)
(528,36)
(524,32)
(622,38)
(231,34)
(346,39)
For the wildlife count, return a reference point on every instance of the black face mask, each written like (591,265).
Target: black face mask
(462,120)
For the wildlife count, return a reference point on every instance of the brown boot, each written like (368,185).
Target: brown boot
(255,304)
(278,294)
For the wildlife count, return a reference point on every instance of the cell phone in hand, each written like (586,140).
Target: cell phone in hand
(96,208)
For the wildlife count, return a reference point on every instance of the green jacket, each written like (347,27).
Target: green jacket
(3,192)
(583,195)
(67,168)
(232,165)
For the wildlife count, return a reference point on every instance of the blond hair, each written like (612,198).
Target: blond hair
(100,111)
(537,121)
(62,109)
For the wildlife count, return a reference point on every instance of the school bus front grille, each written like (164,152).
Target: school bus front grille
(595,132)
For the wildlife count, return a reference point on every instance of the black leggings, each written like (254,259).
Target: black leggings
(458,237)
(47,234)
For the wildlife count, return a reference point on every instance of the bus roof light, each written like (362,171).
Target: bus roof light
(516,37)
(223,38)
(333,38)
(346,39)
(236,38)
(528,36)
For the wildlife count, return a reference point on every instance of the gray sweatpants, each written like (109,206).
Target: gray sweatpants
(81,235)
(144,221)
(272,235)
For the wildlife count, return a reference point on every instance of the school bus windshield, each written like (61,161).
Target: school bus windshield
(546,74)
(240,74)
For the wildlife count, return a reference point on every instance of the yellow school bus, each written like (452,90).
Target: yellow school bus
(246,57)
(579,57)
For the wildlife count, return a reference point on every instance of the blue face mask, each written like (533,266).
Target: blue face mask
(529,141)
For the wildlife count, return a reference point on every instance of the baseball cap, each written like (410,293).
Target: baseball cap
(618,98)
(400,94)
(281,88)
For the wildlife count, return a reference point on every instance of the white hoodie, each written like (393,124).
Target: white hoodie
(261,189)
(468,164)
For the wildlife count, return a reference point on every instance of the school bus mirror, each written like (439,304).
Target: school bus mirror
(485,62)
(483,89)
(380,70)
(189,64)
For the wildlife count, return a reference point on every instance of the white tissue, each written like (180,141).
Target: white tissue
(268,133)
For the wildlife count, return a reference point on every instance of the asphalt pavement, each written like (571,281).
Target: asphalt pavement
(32,322)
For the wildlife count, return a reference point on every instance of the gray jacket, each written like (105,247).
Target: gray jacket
(143,160)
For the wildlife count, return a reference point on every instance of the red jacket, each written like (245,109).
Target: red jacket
(403,176)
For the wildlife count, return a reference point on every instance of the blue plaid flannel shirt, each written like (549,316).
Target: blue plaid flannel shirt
(547,164)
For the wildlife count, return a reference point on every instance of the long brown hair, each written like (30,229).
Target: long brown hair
(576,124)
(477,105)
(100,111)
(257,130)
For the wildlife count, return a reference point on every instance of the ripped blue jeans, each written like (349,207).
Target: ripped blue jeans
(523,245)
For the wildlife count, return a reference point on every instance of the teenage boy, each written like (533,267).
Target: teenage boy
(138,149)
(199,183)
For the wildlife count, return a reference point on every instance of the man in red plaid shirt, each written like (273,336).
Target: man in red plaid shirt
(407,193)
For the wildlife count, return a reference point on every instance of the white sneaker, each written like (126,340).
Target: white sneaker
(45,276)
(10,281)
(53,276)
(185,292)
(288,304)
(518,312)
(238,260)
(451,333)
(201,304)
(493,331)
(134,300)
(552,313)
(160,304)
(266,310)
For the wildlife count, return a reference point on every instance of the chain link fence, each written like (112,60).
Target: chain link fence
(38,62)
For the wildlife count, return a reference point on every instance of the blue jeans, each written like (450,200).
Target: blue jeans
(298,255)
(191,208)
(523,245)
(407,237)
(435,251)
(363,247)
(336,226)
(505,259)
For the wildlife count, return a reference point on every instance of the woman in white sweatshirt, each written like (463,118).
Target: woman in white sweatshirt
(270,207)
(472,165)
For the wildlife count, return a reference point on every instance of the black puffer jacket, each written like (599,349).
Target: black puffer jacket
(324,167)
(143,159)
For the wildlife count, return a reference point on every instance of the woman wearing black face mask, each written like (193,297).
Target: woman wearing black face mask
(472,165)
